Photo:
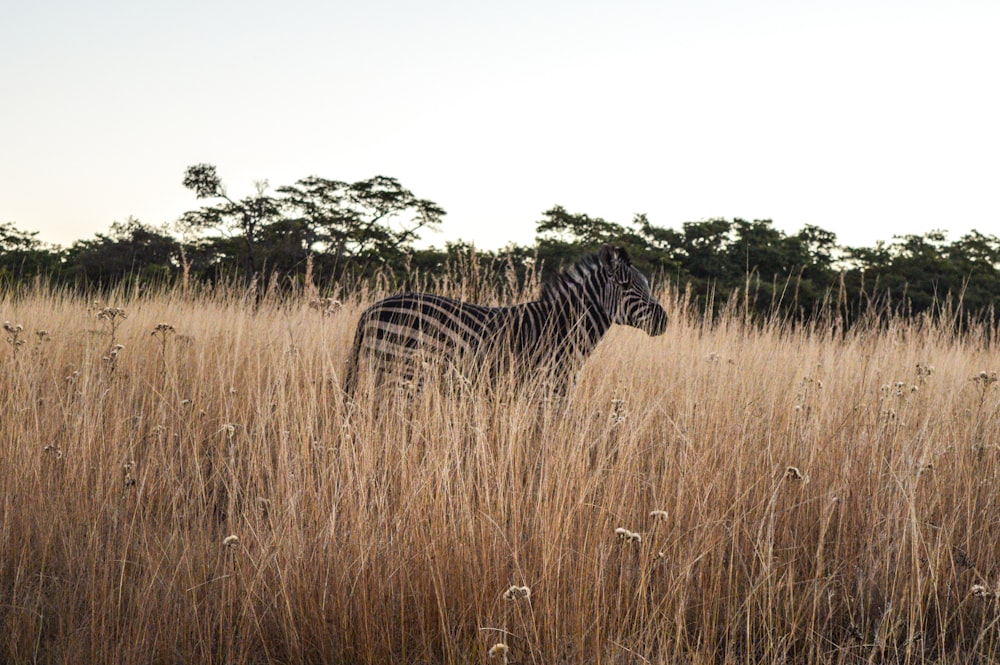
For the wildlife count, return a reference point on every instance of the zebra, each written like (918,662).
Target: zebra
(549,338)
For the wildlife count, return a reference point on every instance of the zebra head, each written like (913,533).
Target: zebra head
(627,299)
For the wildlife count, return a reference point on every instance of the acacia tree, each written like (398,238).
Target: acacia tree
(247,216)
(374,220)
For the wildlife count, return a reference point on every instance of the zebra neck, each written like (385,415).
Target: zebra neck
(577,305)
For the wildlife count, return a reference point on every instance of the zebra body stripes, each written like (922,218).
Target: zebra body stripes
(548,338)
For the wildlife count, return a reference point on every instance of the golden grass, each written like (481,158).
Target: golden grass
(202,495)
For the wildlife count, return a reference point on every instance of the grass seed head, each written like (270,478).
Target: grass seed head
(660,515)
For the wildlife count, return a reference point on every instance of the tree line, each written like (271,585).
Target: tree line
(337,235)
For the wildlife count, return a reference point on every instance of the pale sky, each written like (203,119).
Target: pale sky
(867,118)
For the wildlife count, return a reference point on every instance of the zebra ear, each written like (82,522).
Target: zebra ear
(614,257)
(616,262)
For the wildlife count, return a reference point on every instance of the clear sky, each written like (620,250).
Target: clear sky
(866,118)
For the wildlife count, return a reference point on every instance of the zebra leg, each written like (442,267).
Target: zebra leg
(351,373)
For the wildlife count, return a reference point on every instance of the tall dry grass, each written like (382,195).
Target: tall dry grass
(725,493)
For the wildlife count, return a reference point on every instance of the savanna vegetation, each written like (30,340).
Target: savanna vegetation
(342,235)
(181,481)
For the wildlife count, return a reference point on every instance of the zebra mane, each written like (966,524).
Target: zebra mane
(573,276)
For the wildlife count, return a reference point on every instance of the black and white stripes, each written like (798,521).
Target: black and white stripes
(547,339)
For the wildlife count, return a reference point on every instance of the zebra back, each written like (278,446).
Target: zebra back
(396,334)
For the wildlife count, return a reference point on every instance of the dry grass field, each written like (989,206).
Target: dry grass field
(725,493)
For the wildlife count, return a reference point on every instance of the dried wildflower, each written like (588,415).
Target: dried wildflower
(162,329)
(13,334)
(517,592)
(43,335)
(980,591)
(617,415)
(231,541)
(793,473)
(627,536)
(229,430)
(809,382)
(499,650)
(659,515)
(128,475)
(326,306)
(111,314)
(985,379)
